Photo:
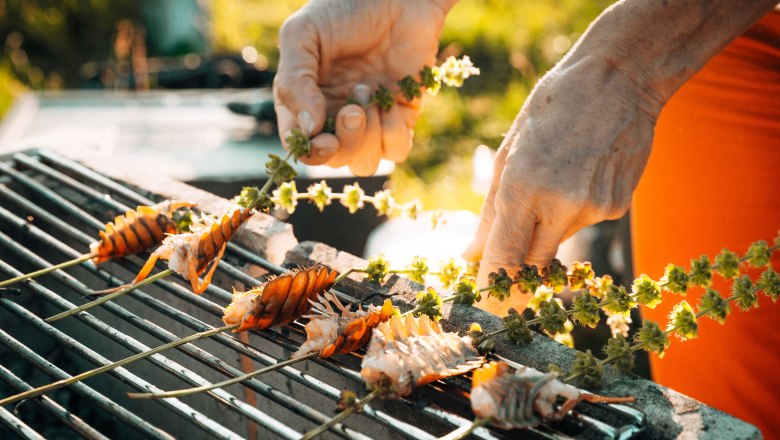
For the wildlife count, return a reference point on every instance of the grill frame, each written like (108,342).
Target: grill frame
(287,339)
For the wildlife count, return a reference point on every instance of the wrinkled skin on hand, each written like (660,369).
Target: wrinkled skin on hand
(332,50)
(572,158)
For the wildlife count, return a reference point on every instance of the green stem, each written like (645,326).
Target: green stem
(340,416)
(465,431)
(49,269)
(224,383)
(71,380)
(109,297)
(346,273)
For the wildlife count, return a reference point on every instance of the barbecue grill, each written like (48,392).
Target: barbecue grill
(51,209)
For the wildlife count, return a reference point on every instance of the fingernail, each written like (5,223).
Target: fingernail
(352,121)
(326,151)
(306,122)
(362,94)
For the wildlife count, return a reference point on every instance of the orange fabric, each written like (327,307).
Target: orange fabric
(713,181)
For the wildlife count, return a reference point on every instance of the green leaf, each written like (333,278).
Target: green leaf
(298,144)
(517,328)
(417,269)
(500,284)
(410,88)
(285,197)
(466,291)
(651,338)
(759,255)
(617,300)
(429,303)
(646,291)
(353,197)
(449,273)
(320,193)
(675,279)
(528,278)
(769,282)
(383,98)
(377,268)
(585,310)
(619,350)
(727,263)
(701,272)
(553,317)
(554,276)
(682,322)
(588,369)
(383,202)
(581,275)
(742,289)
(714,306)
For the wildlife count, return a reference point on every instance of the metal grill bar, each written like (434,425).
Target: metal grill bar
(46,166)
(54,408)
(101,400)
(17,426)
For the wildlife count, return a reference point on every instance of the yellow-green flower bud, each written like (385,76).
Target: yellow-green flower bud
(646,291)
(682,322)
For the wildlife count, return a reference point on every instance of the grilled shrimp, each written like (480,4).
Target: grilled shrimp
(341,331)
(415,351)
(136,231)
(189,254)
(524,397)
(280,301)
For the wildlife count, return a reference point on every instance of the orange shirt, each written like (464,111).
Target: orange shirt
(713,181)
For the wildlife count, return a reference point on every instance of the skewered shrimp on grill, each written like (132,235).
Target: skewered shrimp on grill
(525,397)
(130,233)
(280,301)
(411,352)
(341,331)
(138,230)
(190,254)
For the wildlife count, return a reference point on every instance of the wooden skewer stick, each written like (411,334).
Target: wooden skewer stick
(224,383)
(340,416)
(44,271)
(109,297)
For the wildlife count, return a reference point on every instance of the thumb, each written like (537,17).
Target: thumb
(298,99)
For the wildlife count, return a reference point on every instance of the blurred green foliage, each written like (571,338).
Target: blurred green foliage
(513,42)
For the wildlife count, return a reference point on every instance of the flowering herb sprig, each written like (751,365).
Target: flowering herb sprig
(280,172)
(594,295)
(683,324)
(353,197)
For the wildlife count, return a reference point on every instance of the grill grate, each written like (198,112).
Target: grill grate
(48,202)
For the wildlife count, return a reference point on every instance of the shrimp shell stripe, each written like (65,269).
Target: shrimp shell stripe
(136,231)
(415,351)
(280,301)
(214,239)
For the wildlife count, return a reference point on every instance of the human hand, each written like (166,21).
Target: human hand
(572,158)
(335,50)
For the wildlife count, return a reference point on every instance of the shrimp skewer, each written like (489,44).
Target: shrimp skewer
(130,233)
(405,353)
(279,292)
(189,254)
(328,334)
(523,398)
(412,352)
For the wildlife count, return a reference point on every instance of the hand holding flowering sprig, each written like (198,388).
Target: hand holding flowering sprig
(335,51)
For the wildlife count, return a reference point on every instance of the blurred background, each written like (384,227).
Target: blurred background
(197,56)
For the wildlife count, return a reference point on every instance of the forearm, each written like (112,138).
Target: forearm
(660,44)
